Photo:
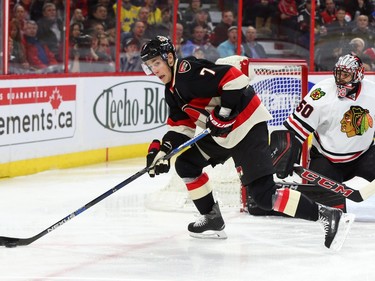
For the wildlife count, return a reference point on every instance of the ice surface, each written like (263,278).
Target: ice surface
(120,239)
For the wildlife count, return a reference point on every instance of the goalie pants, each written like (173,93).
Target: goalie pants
(361,167)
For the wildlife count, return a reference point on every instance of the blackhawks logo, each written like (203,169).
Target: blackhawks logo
(317,94)
(356,121)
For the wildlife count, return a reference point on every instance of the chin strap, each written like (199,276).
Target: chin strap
(347,90)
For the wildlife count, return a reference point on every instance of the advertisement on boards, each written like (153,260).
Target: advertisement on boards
(37,113)
(124,111)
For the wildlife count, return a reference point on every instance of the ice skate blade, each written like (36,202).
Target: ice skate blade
(210,234)
(342,232)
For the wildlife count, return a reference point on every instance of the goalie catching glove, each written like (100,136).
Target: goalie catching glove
(220,122)
(155,162)
(285,151)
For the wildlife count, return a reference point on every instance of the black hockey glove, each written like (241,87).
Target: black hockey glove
(220,126)
(155,155)
(285,152)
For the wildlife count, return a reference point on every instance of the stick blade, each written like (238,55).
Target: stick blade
(11,242)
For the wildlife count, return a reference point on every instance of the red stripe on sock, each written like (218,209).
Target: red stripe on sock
(198,182)
(281,200)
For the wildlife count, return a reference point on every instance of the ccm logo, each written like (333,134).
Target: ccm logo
(326,183)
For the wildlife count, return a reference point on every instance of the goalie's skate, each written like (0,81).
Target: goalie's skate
(336,225)
(210,225)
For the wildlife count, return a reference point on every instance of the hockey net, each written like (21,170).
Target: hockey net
(280,84)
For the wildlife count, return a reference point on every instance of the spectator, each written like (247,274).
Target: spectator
(105,62)
(164,28)
(38,54)
(137,32)
(108,4)
(189,14)
(76,37)
(78,18)
(329,12)
(130,60)
(84,55)
(199,41)
(229,47)
(170,4)
(99,14)
(331,43)
(339,30)
(143,16)
(80,4)
(201,18)
(20,15)
(261,16)
(370,53)
(154,16)
(36,9)
(357,48)
(220,33)
(304,19)
(18,52)
(287,11)
(112,35)
(98,28)
(360,7)
(251,47)
(50,30)
(326,54)
(60,8)
(363,30)
(128,14)
(26,4)
(180,40)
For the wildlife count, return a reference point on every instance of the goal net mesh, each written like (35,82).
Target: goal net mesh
(280,85)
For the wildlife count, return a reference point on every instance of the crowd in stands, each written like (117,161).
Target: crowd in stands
(37,36)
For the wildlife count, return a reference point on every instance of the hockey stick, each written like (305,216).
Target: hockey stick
(14,242)
(334,186)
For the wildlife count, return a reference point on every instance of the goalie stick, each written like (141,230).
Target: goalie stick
(334,186)
(11,242)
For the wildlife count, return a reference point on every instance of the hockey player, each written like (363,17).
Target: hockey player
(203,94)
(339,112)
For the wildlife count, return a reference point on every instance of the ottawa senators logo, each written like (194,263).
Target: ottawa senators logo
(184,67)
(317,94)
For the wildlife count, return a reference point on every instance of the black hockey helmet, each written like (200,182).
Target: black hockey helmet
(351,64)
(159,46)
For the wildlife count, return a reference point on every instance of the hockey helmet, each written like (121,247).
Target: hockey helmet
(159,46)
(350,64)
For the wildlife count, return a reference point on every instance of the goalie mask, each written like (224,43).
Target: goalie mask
(159,46)
(348,72)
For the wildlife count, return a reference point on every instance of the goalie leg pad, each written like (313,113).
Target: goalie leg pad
(285,151)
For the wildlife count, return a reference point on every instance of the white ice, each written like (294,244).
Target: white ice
(120,238)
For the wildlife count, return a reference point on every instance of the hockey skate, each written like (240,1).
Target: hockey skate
(210,225)
(336,226)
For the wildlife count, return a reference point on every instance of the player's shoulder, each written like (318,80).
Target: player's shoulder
(190,66)
(323,90)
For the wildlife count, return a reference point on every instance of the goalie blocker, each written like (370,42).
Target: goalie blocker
(286,151)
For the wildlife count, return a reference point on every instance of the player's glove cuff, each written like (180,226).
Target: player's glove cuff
(155,158)
(220,126)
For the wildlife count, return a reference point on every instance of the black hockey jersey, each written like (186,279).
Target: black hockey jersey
(197,87)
